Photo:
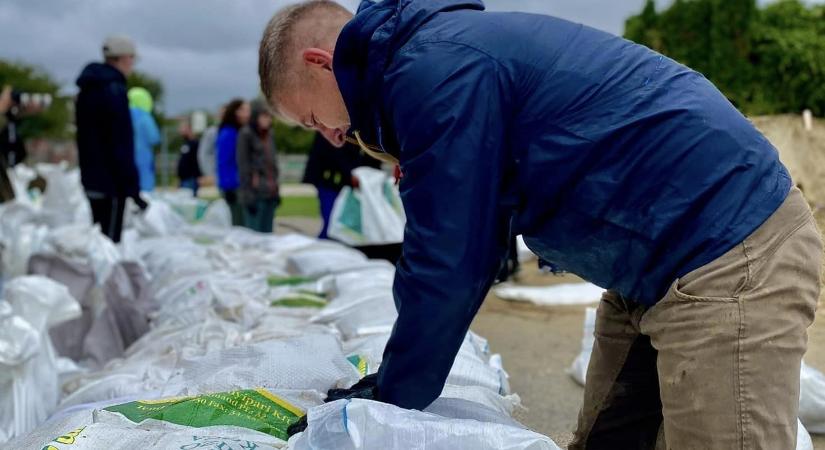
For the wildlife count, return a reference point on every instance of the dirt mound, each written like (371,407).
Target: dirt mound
(803,152)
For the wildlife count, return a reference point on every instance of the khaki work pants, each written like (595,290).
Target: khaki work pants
(715,364)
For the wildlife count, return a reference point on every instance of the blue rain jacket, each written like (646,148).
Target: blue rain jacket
(147,135)
(615,162)
(226,165)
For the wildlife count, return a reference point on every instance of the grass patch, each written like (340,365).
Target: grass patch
(299,207)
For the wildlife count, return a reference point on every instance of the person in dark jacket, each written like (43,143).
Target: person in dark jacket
(615,163)
(329,169)
(188,169)
(235,116)
(105,143)
(258,171)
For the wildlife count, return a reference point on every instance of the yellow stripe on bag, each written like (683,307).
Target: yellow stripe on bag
(280,402)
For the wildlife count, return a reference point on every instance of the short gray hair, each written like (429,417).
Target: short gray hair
(278,42)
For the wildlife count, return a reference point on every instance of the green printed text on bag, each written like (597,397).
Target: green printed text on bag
(300,300)
(277,280)
(255,409)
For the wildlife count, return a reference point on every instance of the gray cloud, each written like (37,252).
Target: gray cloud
(204,51)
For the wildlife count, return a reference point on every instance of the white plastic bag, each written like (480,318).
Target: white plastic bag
(159,219)
(87,245)
(20,176)
(29,389)
(578,370)
(363,424)
(803,439)
(371,214)
(556,295)
(64,201)
(19,344)
(812,399)
(218,214)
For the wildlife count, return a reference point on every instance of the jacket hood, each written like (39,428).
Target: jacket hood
(140,98)
(363,51)
(257,108)
(99,73)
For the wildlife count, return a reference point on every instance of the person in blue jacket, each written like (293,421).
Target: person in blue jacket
(147,135)
(615,163)
(235,116)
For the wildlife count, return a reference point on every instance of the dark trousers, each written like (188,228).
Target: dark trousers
(108,212)
(326,199)
(190,183)
(260,215)
(235,207)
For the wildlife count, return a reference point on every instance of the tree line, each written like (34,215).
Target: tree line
(767,60)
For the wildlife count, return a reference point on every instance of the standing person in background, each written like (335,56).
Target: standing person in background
(207,149)
(258,171)
(105,143)
(234,118)
(188,169)
(329,169)
(147,135)
(6,190)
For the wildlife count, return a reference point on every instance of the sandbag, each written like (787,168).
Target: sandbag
(29,374)
(803,439)
(555,295)
(578,370)
(812,399)
(64,201)
(363,424)
(218,214)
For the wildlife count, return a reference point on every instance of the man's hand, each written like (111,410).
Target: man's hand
(367,388)
(297,427)
(5,99)
(141,203)
(354,182)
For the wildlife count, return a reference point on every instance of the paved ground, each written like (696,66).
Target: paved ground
(539,343)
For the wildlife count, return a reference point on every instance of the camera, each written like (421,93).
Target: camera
(23,101)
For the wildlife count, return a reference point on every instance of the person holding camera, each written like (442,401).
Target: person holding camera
(105,142)
(6,191)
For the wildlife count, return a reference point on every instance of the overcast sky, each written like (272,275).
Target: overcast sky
(204,51)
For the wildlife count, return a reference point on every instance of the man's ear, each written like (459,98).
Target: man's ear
(318,57)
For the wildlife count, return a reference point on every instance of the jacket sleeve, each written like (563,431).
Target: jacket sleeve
(123,144)
(207,151)
(152,131)
(243,154)
(446,106)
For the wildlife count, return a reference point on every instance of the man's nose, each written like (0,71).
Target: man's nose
(334,136)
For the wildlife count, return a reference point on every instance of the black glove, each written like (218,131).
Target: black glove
(297,427)
(367,388)
(141,203)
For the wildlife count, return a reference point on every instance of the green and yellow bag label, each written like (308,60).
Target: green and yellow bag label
(360,363)
(68,439)
(255,409)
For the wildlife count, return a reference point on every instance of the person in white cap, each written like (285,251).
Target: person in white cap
(104,136)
